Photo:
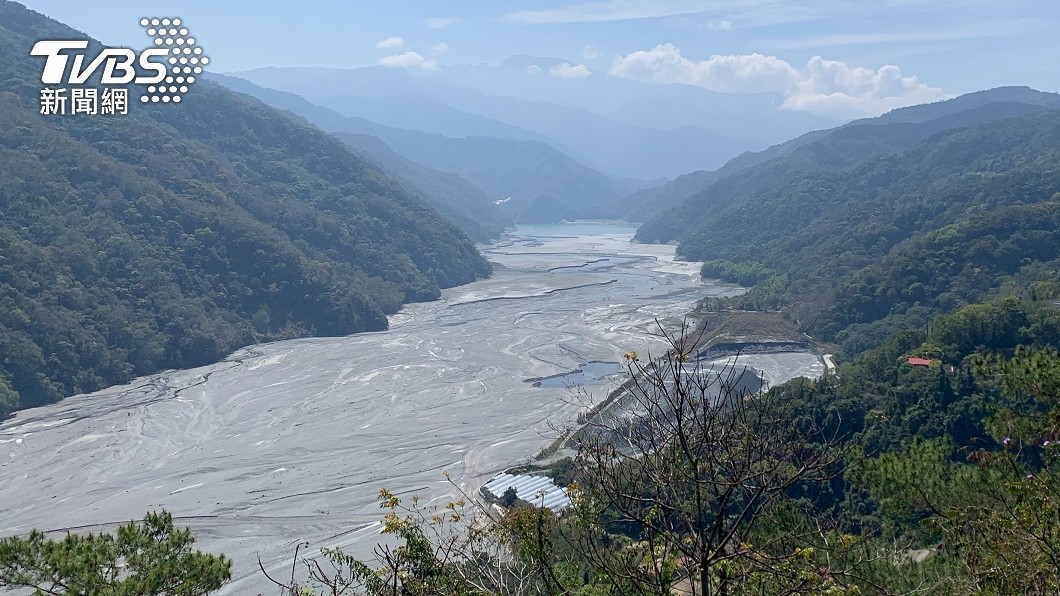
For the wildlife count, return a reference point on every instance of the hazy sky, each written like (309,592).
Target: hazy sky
(819,53)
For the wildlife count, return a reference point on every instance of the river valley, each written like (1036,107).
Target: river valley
(291,441)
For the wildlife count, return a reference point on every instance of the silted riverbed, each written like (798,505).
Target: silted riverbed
(292,441)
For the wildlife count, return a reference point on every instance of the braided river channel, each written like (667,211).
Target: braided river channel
(291,441)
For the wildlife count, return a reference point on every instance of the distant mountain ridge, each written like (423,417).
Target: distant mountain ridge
(175,234)
(455,197)
(677,205)
(460,200)
(435,103)
(755,117)
(981,106)
(532,180)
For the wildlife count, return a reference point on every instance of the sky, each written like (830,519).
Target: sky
(842,57)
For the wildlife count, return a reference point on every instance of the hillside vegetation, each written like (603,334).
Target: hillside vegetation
(175,234)
(455,197)
(924,246)
(881,224)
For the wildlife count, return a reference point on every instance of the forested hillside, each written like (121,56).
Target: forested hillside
(177,233)
(924,246)
(880,225)
(682,204)
(455,197)
(647,203)
(449,104)
(902,271)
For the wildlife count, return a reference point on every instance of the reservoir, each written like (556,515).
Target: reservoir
(291,441)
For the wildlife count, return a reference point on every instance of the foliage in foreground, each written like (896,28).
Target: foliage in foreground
(706,489)
(141,559)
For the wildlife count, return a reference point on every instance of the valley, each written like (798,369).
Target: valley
(291,317)
(292,440)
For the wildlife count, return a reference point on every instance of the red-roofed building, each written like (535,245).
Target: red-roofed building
(919,361)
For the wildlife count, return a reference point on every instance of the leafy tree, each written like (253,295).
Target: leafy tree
(454,550)
(995,513)
(509,497)
(8,398)
(141,559)
(745,274)
(702,476)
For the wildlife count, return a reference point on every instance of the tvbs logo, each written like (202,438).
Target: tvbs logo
(167,71)
(118,64)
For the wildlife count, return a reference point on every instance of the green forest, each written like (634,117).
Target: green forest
(879,226)
(544,184)
(453,196)
(169,238)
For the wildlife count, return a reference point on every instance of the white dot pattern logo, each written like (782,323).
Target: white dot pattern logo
(175,36)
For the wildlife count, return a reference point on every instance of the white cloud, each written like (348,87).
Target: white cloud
(824,86)
(611,10)
(834,87)
(441,22)
(744,12)
(740,13)
(566,70)
(590,53)
(722,25)
(409,60)
(735,73)
(439,48)
(533,69)
(975,31)
(390,43)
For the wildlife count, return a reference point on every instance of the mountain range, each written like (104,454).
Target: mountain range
(437,104)
(173,235)
(530,181)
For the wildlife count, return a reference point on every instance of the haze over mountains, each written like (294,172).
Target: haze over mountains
(521,153)
(827,217)
(833,150)
(452,103)
(523,180)
(169,237)
(245,184)
(540,150)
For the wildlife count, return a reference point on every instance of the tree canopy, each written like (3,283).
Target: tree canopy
(169,237)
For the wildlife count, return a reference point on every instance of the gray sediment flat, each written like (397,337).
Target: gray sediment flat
(291,441)
(779,367)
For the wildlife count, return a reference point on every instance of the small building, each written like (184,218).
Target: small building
(920,361)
